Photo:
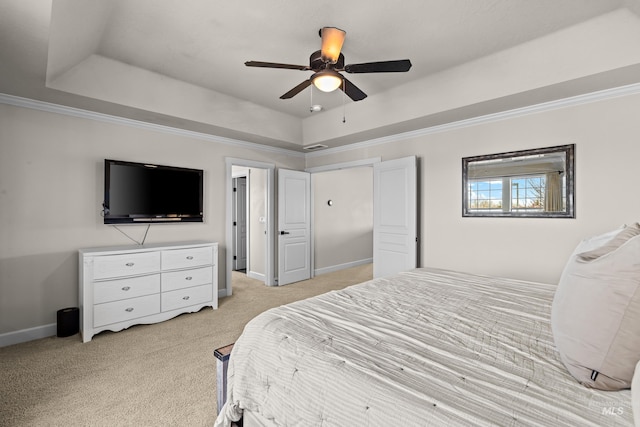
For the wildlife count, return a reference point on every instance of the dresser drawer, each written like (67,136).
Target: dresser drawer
(173,280)
(125,265)
(186,297)
(119,311)
(131,287)
(186,258)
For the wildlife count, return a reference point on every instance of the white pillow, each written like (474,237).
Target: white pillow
(594,242)
(609,245)
(635,395)
(595,315)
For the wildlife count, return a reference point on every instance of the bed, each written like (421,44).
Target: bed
(427,347)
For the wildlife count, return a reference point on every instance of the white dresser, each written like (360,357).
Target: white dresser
(123,286)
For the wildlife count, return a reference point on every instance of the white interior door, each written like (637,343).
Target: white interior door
(294,226)
(240,223)
(394,216)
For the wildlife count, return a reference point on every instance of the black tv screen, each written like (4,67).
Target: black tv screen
(145,193)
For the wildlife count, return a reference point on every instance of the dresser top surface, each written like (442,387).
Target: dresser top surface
(144,248)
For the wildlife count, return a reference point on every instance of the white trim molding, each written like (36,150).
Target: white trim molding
(30,334)
(339,267)
(258,276)
(17,101)
(631,89)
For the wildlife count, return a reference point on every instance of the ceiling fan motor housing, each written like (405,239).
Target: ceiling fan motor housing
(316,63)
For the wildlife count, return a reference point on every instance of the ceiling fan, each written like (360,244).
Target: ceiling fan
(328,61)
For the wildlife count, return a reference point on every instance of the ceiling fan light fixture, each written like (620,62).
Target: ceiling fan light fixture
(327,80)
(332,40)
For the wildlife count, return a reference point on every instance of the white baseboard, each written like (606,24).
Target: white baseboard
(257,276)
(339,267)
(222,293)
(30,334)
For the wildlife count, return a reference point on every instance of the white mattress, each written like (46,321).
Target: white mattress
(424,348)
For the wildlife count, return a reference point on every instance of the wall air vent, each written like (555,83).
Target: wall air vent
(315,147)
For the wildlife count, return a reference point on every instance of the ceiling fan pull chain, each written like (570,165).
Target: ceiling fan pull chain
(344,108)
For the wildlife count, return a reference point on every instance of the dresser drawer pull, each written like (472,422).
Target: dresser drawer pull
(188,278)
(126,288)
(185,298)
(189,257)
(130,309)
(129,264)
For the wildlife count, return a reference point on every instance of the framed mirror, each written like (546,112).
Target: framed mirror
(528,183)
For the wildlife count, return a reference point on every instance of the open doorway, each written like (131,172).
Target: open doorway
(342,218)
(395,212)
(249,217)
(252,240)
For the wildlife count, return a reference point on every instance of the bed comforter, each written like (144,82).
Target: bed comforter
(424,348)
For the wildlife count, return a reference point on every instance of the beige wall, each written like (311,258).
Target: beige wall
(343,232)
(606,135)
(51,188)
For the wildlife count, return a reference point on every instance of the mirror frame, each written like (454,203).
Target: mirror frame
(569,212)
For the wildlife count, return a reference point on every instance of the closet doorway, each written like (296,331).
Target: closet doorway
(342,218)
(395,212)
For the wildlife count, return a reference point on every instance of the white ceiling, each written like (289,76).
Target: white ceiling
(181,63)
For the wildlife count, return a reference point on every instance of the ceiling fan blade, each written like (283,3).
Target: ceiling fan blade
(399,66)
(332,40)
(296,90)
(276,65)
(352,90)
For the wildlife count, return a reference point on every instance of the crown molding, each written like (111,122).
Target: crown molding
(632,89)
(91,115)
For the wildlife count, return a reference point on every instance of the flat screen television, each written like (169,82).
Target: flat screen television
(146,193)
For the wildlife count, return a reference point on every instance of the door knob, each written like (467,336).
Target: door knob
(284,232)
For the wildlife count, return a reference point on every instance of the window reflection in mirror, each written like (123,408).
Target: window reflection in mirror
(528,183)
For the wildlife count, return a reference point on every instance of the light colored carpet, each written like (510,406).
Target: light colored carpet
(147,375)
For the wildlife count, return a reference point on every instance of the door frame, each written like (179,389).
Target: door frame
(270,208)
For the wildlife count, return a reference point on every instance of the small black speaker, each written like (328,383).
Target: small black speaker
(68,321)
